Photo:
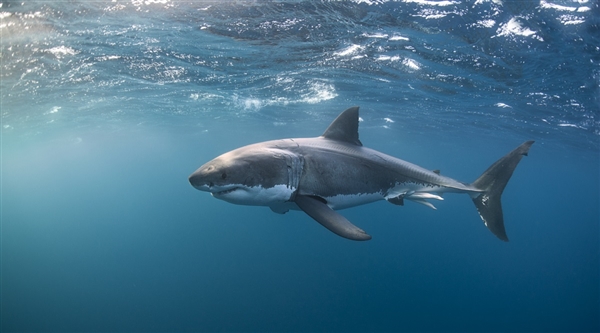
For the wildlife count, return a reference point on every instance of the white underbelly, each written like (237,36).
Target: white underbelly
(342,201)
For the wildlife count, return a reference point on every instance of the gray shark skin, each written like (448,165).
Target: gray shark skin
(334,171)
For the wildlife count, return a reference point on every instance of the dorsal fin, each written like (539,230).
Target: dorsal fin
(436,171)
(344,127)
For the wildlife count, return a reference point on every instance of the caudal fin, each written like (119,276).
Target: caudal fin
(492,182)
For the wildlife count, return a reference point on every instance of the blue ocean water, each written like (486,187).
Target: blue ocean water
(108,106)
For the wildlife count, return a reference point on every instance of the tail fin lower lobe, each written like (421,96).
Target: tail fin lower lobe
(492,182)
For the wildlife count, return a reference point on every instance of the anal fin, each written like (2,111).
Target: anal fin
(329,218)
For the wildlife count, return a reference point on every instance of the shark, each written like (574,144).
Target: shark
(324,174)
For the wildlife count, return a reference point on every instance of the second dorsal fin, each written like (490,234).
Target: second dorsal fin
(344,127)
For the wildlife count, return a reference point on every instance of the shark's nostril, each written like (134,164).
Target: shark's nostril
(195,180)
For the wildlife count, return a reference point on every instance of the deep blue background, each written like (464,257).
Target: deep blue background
(108,107)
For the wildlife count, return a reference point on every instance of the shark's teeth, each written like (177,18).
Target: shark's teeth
(224,191)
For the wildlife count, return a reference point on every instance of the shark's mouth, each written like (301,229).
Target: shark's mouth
(224,192)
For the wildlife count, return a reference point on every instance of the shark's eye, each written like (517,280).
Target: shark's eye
(223,175)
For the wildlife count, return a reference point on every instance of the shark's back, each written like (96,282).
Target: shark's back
(338,167)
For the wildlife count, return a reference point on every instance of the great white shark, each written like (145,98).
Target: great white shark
(334,171)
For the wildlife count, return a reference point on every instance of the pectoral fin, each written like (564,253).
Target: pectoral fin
(329,218)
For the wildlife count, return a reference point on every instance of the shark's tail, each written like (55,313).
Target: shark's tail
(492,182)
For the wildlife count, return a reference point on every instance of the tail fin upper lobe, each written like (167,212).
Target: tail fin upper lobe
(492,182)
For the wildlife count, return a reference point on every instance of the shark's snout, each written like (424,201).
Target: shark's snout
(198,181)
